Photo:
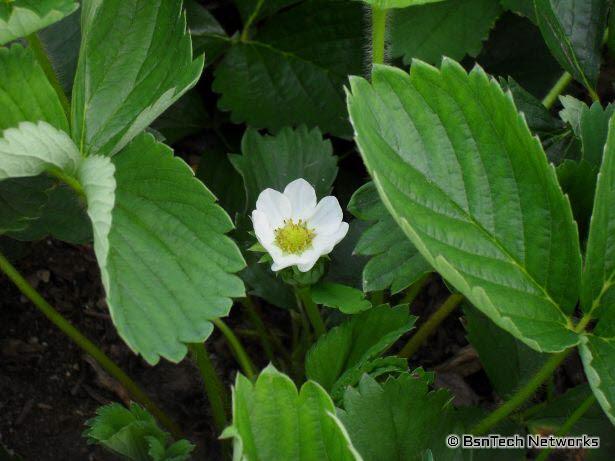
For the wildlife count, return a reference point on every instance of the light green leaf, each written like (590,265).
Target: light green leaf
(573,30)
(21,202)
(31,149)
(386,4)
(355,342)
(495,347)
(133,433)
(598,356)
(347,299)
(165,262)
(135,61)
(25,92)
(395,262)
(598,293)
(452,28)
(275,161)
(19,18)
(294,70)
(398,419)
(457,167)
(272,421)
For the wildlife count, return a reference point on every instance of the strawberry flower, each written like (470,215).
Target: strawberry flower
(294,229)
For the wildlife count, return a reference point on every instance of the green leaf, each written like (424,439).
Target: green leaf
(598,293)
(598,355)
(133,433)
(272,421)
(294,70)
(522,7)
(31,149)
(573,30)
(495,347)
(63,217)
(453,28)
(21,202)
(395,262)
(578,181)
(386,4)
(161,248)
(347,299)
(135,61)
(457,167)
(19,18)
(354,343)
(185,117)
(208,36)
(248,7)
(557,410)
(398,419)
(275,161)
(25,92)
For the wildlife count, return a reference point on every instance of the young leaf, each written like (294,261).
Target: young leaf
(272,421)
(294,70)
(398,419)
(598,293)
(25,92)
(356,342)
(395,262)
(347,299)
(453,28)
(275,161)
(31,149)
(166,264)
(495,347)
(133,433)
(573,30)
(135,61)
(598,356)
(457,167)
(19,18)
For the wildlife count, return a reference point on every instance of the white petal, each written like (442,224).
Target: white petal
(262,228)
(275,205)
(304,267)
(302,197)
(327,216)
(281,261)
(324,243)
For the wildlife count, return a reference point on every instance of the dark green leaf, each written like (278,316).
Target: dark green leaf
(452,28)
(522,7)
(21,202)
(208,36)
(470,186)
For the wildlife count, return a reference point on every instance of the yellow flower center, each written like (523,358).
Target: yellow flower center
(294,238)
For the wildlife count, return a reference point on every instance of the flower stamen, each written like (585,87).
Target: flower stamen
(294,238)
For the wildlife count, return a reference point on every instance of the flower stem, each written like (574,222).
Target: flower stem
(311,309)
(557,89)
(43,59)
(238,350)
(524,393)
(379,24)
(571,421)
(88,346)
(432,323)
(413,291)
(246,28)
(214,389)
(265,340)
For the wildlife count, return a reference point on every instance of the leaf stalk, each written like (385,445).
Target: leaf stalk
(237,347)
(311,309)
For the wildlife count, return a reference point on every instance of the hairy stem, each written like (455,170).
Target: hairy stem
(413,291)
(263,334)
(246,28)
(432,323)
(68,180)
(214,389)
(379,25)
(88,346)
(311,309)
(238,350)
(43,59)
(557,89)
(524,393)
(571,421)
